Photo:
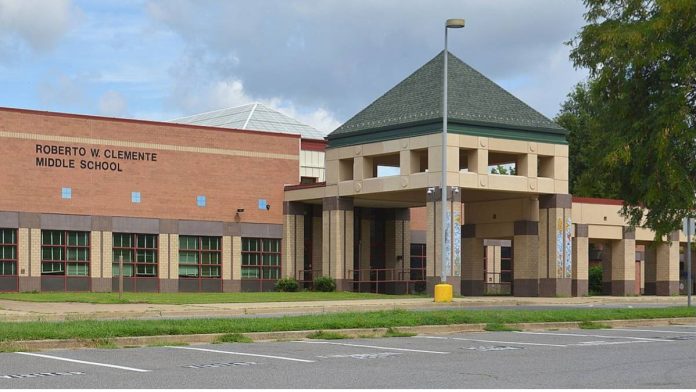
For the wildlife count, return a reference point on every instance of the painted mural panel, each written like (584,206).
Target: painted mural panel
(457,241)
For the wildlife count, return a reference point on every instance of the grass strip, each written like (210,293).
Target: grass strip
(193,298)
(233,338)
(491,327)
(104,329)
(326,335)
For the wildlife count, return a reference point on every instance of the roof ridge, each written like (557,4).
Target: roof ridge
(209,112)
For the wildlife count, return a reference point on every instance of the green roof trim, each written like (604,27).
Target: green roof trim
(476,106)
(433,127)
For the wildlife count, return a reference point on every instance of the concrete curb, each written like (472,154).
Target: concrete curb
(139,341)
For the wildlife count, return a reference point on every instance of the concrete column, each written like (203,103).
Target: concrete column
(434,238)
(555,245)
(667,266)
(173,284)
(337,241)
(472,262)
(365,222)
(227,264)
(580,261)
(292,251)
(623,264)
(525,248)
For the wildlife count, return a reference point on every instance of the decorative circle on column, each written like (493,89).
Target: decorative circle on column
(357,186)
(404,143)
(358,150)
(404,181)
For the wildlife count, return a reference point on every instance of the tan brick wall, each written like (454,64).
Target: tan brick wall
(623,259)
(23,252)
(292,245)
(199,159)
(365,248)
(95,258)
(163,256)
(236,258)
(526,256)
(173,256)
(667,257)
(35,254)
(580,258)
(472,258)
(226,257)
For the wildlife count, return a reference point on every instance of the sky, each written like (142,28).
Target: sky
(319,61)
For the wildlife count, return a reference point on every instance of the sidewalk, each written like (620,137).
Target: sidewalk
(49,311)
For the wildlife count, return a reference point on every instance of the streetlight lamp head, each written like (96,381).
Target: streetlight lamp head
(454,23)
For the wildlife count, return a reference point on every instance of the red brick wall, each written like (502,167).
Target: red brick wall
(168,187)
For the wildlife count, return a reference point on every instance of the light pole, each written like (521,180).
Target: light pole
(446,264)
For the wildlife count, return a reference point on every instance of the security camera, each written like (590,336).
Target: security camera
(240,210)
(268,206)
(430,191)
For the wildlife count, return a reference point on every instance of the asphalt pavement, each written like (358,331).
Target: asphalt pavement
(637,357)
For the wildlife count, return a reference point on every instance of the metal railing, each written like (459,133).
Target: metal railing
(388,280)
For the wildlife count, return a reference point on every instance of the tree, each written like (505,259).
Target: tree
(578,116)
(641,55)
(504,169)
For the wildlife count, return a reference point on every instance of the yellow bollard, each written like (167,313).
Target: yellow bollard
(443,292)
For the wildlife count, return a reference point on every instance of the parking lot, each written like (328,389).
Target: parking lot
(649,357)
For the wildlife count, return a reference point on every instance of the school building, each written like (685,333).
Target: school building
(234,199)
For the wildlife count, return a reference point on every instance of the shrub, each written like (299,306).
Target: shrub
(595,280)
(287,285)
(325,284)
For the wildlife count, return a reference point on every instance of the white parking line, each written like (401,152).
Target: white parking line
(379,347)
(593,336)
(238,353)
(522,343)
(651,330)
(84,362)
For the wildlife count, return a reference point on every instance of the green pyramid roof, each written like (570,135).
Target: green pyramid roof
(476,106)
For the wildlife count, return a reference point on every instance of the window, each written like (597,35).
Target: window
(139,252)
(200,201)
(8,252)
(200,257)
(135,197)
(66,193)
(418,257)
(260,258)
(65,253)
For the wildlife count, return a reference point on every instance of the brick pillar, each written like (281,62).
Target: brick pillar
(472,261)
(623,268)
(236,282)
(555,245)
(667,266)
(163,261)
(97,263)
(365,250)
(434,239)
(337,240)
(525,258)
(292,252)
(580,261)
(35,258)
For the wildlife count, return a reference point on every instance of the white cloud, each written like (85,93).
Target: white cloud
(112,103)
(62,91)
(38,23)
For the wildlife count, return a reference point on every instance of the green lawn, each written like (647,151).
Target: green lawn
(105,329)
(191,298)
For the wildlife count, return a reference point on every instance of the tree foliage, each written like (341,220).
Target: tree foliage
(504,169)
(641,55)
(578,115)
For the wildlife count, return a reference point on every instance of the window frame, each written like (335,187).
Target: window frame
(13,261)
(260,267)
(65,248)
(134,263)
(200,251)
